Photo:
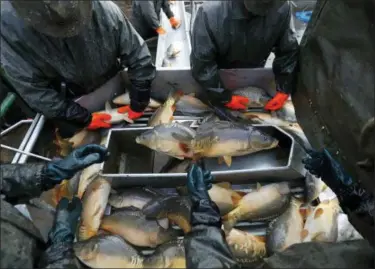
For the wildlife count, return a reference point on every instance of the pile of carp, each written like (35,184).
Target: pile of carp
(117,226)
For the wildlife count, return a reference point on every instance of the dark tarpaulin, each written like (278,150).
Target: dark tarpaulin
(335,92)
(334,98)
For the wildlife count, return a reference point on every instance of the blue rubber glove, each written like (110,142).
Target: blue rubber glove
(61,169)
(199,182)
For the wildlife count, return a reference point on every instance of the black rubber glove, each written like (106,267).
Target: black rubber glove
(140,94)
(66,221)
(203,210)
(59,253)
(351,195)
(218,96)
(80,158)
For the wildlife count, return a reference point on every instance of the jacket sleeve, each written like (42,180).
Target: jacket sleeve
(203,55)
(205,245)
(135,55)
(149,13)
(35,90)
(167,9)
(21,181)
(286,55)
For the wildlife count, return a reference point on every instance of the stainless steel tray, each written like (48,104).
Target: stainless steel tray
(18,142)
(140,166)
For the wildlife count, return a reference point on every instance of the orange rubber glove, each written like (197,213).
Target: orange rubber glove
(99,120)
(174,23)
(238,103)
(131,114)
(160,30)
(277,101)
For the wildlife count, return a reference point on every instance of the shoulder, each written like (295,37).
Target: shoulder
(107,11)
(213,11)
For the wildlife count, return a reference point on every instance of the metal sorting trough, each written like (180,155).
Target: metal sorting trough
(131,164)
(174,35)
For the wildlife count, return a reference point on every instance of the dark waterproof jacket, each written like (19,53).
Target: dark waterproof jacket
(35,63)
(25,245)
(225,36)
(146,16)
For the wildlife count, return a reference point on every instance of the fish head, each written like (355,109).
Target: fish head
(86,250)
(147,138)
(155,208)
(261,141)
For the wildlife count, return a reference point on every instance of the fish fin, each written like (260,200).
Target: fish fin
(318,213)
(258,186)
(320,236)
(236,198)
(225,185)
(228,160)
(163,223)
(107,106)
(177,95)
(85,232)
(220,160)
(64,190)
(180,221)
(260,238)
(181,138)
(324,187)
(241,193)
(303,212)
(225,217)
(304,234)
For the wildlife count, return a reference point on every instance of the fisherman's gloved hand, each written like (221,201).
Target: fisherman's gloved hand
(277,102)
(55,171)
(99,120)
(66,221)
(133,115)
(59,252)
(351,195)
(175,23)
(238,103)
(203,211)
(160,30)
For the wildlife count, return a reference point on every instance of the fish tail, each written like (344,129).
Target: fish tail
(229,221)
(85,233)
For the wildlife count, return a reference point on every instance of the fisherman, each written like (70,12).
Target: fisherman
(54,52)
(146,17)
(242,34)
(205,245)
(22,246)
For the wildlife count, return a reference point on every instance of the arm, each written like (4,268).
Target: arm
(203,54)
(149,14)
(167,9)
(35,90)
(207,239)
(134,54)
(286,55)
(205,245)
(21,180)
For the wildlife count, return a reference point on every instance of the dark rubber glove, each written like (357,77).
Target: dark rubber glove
(66,221)
(80,158)
(199,182)
(203,210)
(59,253)
(351,195)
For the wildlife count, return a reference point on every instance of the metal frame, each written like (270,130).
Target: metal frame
(291,171)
